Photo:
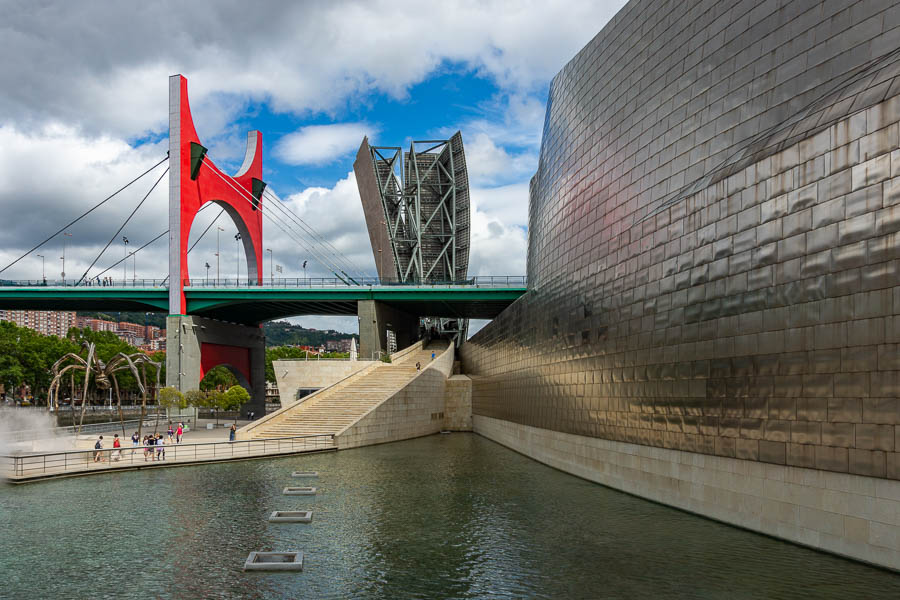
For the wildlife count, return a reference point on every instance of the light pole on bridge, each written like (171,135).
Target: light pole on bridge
(207,273)
(237,238)
(271,262)
(125,262)
(218,229)
(63,257)
(43,273)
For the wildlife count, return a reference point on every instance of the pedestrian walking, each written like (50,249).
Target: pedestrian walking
(135,441)
(148,449)
(160,448)
(432,355)
(98,449)
(179,432)
(170,434)
(116,453)
(418,366)
(232,433)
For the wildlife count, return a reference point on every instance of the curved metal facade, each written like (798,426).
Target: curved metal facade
(714,239)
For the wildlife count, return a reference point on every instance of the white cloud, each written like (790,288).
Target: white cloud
(335,214)
(58,174)
(496,248)
(104,67)
(321,144)
(90,79)
(488,163)
(507,204)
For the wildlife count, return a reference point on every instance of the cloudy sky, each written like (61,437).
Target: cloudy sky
(84,110)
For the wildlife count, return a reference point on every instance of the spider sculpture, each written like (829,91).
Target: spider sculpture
(104,376)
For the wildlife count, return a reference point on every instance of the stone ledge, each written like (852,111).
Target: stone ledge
(851,515)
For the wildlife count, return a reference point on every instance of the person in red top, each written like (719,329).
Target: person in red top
(116,453)
(179,432)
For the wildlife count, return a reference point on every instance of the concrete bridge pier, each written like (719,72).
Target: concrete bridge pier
(375,319)
(195,345)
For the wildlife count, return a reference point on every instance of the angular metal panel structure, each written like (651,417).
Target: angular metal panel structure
(416,205)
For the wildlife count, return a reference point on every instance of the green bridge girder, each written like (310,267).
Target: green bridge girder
(254,305)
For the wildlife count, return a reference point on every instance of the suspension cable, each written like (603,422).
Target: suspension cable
(121,260)
(208,227)
(322,240)
(83,215)
(119,230)
(339,262)
(248,198)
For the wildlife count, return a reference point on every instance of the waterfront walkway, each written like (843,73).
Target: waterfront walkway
(34,466)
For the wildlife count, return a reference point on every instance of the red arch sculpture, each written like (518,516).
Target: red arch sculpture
(194,180)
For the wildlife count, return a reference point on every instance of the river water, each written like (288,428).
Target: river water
(447,516)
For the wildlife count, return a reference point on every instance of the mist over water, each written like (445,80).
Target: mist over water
(30,430)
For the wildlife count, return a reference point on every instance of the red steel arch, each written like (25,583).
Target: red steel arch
(194,180)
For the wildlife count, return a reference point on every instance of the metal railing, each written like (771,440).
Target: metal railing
(72,461)
(87,283)
(25,435)
(481,281)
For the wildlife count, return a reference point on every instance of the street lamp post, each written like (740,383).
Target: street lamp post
(304,270)
(218,229)
(43,273)
(207,273)
(237,238)
(271,262)
(125,262)
(63,257)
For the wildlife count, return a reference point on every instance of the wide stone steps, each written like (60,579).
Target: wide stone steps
(332,410)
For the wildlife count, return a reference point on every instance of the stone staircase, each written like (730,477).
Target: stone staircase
(333,409)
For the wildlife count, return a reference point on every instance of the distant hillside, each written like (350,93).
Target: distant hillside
(154,318)
(278,333)
(282,333)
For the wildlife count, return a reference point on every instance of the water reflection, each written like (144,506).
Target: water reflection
(451,516)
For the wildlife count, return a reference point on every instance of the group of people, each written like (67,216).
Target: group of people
(151,442)
(154,444)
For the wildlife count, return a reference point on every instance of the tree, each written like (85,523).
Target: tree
(217,377)
(215,400)
(234,398)
(170,399)
(195,398)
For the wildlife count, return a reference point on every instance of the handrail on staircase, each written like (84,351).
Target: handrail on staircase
(435,364)
(397,357)
(314,396)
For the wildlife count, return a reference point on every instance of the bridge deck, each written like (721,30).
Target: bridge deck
(257,304)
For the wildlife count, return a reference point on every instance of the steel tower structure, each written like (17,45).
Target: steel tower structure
(416,205)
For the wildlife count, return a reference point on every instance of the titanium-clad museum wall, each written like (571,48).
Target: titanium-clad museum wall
(714,256)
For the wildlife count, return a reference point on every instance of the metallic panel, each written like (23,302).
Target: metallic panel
(711,279)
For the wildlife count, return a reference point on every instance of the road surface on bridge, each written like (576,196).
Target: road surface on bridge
(254,304)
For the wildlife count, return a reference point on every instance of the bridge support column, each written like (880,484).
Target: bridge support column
(375,319)
(194,345)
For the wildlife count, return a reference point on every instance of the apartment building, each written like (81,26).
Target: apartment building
(45,322)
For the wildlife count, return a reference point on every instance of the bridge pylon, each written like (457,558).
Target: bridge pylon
(196,345)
